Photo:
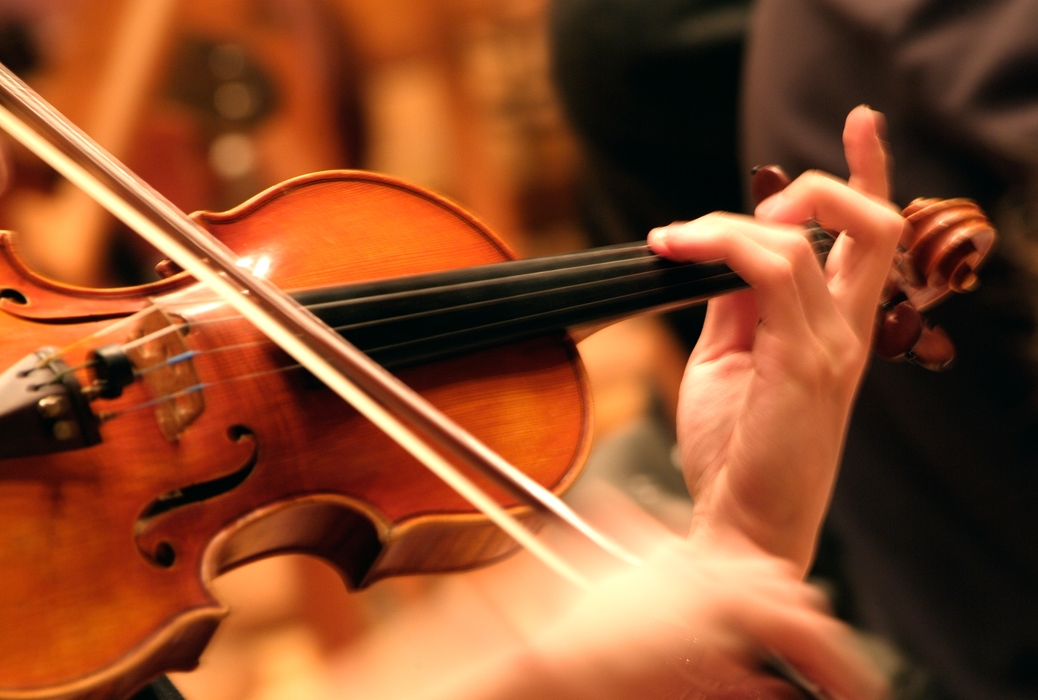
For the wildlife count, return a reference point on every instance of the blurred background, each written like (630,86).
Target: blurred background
(568,123)
(212,102)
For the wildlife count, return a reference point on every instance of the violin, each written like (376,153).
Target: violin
(152,438)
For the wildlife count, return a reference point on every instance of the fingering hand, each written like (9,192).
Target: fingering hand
(768,390)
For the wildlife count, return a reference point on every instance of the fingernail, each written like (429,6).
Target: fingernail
(880,121)
(658,239)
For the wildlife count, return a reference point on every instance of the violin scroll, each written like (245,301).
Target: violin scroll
(944,244)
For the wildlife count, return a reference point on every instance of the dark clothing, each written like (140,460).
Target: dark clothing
(937,501)
(652,90)
(651,87)
(159,689)
(643,82)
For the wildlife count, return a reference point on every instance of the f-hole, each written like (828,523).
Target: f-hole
(14,296)
(203,491)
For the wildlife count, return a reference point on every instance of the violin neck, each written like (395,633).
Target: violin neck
(420,318)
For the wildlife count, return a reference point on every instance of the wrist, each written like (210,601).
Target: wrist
(710,533)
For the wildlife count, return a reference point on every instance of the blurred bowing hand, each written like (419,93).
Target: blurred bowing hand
(763,410)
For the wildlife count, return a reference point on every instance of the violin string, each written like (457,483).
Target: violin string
(457,481)
(495,273)
(411,421)
(101,332)
(192,354)
(110,415)
(175,359)
(154,335)
(194,388)
(182,357)
(443,469)
(179,327)
(565,262)
(170,361)
(60,376)
(513,321)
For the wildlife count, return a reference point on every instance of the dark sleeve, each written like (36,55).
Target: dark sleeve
(935,499)
(958,81)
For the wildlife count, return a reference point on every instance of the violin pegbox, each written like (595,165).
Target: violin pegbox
(943,246)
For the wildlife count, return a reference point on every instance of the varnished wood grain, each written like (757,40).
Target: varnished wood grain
(85,611)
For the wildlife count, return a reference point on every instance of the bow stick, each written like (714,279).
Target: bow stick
(401,413)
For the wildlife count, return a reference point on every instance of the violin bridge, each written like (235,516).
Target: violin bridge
(175,379)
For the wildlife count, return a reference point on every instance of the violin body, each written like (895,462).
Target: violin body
(107,551)
(217,450)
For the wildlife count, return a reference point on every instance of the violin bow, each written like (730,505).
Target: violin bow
(406,417)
